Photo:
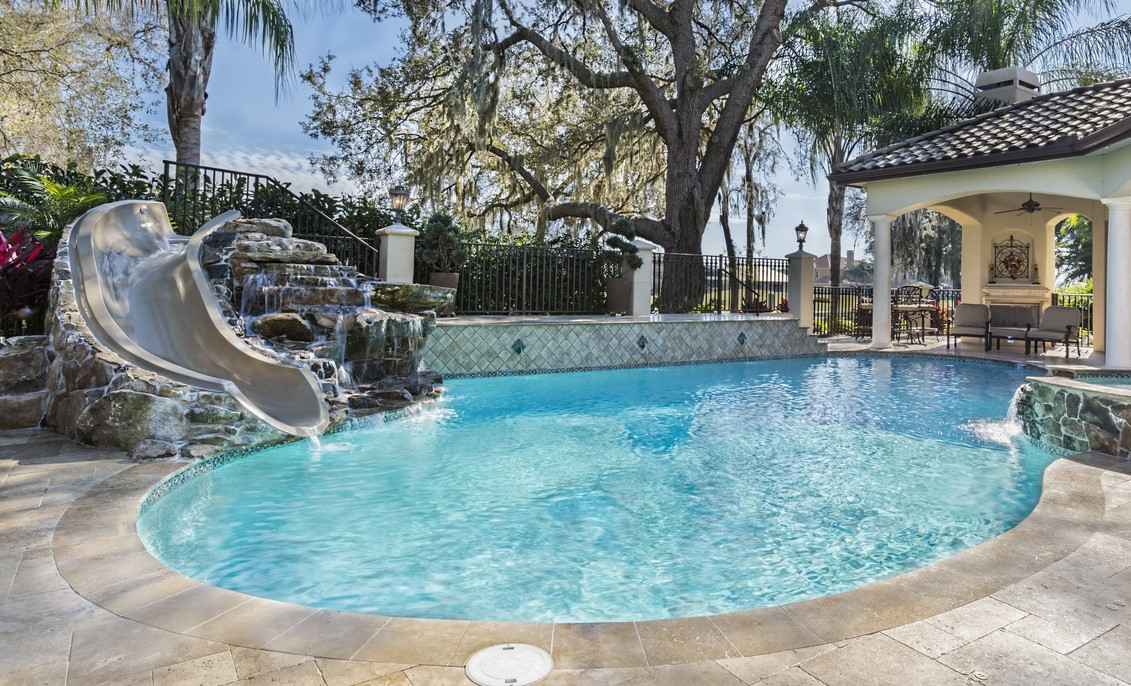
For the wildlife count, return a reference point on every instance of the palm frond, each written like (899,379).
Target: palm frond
(263,23)
(1106,46)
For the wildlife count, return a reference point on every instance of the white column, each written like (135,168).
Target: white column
(398,254)
(881,281)
(1099,278)
(974,266)
(1118,326)
(640,298)
(802,274)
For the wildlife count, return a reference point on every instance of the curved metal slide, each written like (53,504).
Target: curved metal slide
(145,295)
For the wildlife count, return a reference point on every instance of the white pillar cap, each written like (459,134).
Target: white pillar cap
(398,230)
(800,253)
(643,244)
(1117,202)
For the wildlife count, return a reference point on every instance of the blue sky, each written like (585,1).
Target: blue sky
(246,127)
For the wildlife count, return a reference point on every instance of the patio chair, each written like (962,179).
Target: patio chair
(1010,321)
(1057,325)
(969,320)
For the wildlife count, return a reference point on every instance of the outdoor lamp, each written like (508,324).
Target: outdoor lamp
(802,231)
(398,197)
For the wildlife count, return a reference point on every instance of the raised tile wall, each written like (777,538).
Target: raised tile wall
(483,349)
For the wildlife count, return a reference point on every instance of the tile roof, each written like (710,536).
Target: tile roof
(1061,124)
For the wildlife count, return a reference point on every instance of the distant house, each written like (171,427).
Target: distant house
(824,268)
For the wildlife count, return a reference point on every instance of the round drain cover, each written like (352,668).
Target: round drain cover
(509,664)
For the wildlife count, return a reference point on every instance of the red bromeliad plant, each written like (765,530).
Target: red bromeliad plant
(25,279)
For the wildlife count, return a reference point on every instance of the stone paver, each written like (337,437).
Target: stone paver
(1110,653)
(1068,623)
(1005,659)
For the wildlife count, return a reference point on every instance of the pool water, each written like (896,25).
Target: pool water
(620,495)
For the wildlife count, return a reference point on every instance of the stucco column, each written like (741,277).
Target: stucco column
(398,253)
(640,298)
(802,274)
(974,264)
(1099,281)
(1118,325)
(881,281)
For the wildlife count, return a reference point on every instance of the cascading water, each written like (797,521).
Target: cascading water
(1001,431)
(344,378)
(259,289)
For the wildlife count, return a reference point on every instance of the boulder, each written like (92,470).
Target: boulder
(277,249)
(22,409)
(283,325)
(150,449)
(412,297)
(125,418)
(23,364)
(271,227)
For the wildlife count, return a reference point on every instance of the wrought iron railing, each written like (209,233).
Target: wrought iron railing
(716,283)
(519,279)
(195,193)
(1084,302)
(846,310)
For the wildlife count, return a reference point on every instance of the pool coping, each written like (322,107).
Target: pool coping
(98,552)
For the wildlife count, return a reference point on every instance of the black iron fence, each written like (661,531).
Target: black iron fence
(846,310)
(716,283)
(518,279)
(193,194)
(1083,302)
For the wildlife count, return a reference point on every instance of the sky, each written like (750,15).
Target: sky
(247,127)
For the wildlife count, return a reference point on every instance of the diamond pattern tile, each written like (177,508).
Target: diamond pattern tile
(491,349)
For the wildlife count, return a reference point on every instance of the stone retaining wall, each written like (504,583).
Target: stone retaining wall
(1075,416)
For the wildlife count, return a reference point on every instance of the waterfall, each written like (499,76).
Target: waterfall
(1002,431)
(367,294)
(344,378)
(259,287)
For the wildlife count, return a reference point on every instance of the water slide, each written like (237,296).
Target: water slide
(145,296)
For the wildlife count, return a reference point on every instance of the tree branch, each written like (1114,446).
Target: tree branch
(581,71)
(655,15)
(644,227)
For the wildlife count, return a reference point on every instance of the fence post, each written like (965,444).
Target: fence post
(397,253)
(802,273)
(631,292)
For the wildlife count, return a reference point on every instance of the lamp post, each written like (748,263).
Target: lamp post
(398,199)
(802,231)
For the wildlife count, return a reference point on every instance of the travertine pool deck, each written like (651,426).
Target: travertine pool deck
(1048,602)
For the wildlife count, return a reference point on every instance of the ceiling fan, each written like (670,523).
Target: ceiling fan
(1031,206)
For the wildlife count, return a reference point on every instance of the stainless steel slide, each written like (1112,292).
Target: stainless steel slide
(145,295)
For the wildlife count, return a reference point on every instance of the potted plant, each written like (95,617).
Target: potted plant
(440,250)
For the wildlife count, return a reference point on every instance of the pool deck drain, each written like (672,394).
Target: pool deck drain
(509,664)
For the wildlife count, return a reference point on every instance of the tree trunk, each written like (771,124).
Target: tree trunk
(835,217)
(192,40)
(732,255)
(684,278)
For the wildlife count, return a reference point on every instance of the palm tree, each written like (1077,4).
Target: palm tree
(192,38)
(1045,36)
(850,78)
(42,205)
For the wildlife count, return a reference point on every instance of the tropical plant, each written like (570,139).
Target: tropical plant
(41,205)
(851,74)
(25,279)
(1074,249)
(1051,37)
(193,25)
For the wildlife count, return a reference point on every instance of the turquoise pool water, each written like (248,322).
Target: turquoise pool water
(621,495)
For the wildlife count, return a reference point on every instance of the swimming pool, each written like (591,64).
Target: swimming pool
(620,495)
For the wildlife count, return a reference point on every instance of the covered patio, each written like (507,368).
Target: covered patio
(1009,177)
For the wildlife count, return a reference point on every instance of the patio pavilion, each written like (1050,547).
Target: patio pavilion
(1070,152)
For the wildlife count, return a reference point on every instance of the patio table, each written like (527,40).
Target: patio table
(905,313)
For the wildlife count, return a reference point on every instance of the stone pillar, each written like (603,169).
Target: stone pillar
(975,266)
(881,281)
(802,274)
(398,253)
(1117,328)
